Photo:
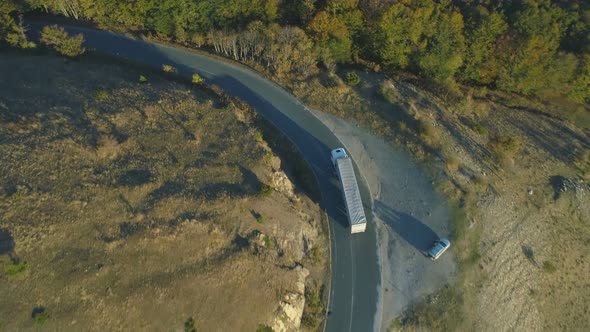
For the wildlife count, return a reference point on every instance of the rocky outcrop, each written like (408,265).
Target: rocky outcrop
(290,309)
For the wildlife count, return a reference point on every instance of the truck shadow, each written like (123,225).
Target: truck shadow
(412,230)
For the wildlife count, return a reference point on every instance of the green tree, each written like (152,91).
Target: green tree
(444,53)
(331,38)
(401,31)
(482,33)
(297,12)
(529,56)
(580,91)
(12,32)
(56,38)
(341,6)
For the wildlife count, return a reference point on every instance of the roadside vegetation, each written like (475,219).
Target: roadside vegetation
(532,48)
(57,39)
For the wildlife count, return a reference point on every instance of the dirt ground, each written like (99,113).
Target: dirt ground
(409,213)
(135,206)
(531,213)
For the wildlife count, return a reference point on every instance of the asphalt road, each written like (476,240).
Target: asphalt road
(354,296)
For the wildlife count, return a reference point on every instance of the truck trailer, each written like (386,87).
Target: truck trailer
(350,190)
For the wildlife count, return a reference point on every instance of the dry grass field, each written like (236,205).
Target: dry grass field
(136,206)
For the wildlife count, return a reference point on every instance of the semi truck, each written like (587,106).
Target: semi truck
(350,190)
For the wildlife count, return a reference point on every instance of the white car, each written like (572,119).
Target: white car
(438,248)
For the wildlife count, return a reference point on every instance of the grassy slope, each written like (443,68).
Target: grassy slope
(133,204)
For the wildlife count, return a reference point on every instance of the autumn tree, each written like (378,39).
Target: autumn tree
(443,54)
(485,27)
(289,51)
(331,38)
(580,91)
(531,51)
(401,31)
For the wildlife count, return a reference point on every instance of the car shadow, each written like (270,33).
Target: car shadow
(412,230)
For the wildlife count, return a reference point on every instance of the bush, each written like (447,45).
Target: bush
(388,91)
(267,241)
(16,270)
(426,129)
(101,95)
(453,164)
(352,79)
(264,328)
(314,308)
(506,147)
(266,190)
(260,220)
(403,126)
(57,39)
(142,79)
(309,320)
(480,129)
(258,136)
(169,69)
(315,255)
(40,316)
(189,325)
(549,267)
(197,79)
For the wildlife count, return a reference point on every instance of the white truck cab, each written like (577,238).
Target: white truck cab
(337,154)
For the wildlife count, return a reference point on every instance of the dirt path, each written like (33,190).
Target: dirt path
(409,215)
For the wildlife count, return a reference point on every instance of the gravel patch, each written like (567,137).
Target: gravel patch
(409,214)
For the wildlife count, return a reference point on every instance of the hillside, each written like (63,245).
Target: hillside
(128,205)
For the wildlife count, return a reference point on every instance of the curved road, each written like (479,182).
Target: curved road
(354,296)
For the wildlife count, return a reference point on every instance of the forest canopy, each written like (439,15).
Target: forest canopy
(530,47)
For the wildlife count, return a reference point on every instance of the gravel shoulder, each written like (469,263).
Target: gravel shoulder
(409,215)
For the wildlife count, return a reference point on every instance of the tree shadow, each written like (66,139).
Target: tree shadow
(6,242)
(529,254)
(412,230)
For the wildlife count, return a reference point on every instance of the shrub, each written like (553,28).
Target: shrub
(189,325)
(40,316)
(480,129)
(101,95)
(506,147)
(264,328)
(426,129)
(453,164)
(549,267)
(268,157)
(142,79)
(315,255)
(402,126)
(352,78)
(388,92)
(260,220)
(266,190)
(309,320)
(197,79)
(267,241)
(313,308)
(258,136)
(16,270)
(56,38)
(169,69)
